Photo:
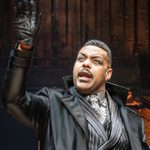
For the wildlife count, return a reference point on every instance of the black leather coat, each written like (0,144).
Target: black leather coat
(56,114)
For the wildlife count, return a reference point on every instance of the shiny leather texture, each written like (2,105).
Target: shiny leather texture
(56,114)
(27,21)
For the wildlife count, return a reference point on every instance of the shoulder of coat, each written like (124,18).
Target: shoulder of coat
(133,112)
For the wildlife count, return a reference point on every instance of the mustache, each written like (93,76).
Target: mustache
(85,71)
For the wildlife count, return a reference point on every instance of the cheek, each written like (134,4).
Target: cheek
(76,67)
(100,75)
(75,71)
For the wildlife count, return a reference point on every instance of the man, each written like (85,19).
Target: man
(88,115)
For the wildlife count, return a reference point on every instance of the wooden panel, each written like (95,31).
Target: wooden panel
(70,25)
(105,21)
(77,27)
(83,20)
(44,40)
(61,19)
(142,27)
(117,27)
(90,19)
(58,28)
(67,24)
(123,24)
(129,28)
(7,38)
(98,19)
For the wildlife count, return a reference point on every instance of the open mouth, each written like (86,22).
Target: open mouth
(84,76)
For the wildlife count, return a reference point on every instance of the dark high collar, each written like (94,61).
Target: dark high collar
(113,89)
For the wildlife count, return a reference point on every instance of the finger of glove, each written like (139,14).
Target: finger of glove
(19,10)
(26,4)
(36,15)
(34,10)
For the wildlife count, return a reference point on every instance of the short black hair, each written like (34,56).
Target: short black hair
(102,45)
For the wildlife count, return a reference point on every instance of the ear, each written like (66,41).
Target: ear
(108,74)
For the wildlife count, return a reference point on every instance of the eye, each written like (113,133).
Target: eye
(97,62)
(80,58)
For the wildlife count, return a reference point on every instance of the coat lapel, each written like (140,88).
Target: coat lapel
(131,124)
(74,107)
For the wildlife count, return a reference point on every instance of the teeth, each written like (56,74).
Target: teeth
(84,75)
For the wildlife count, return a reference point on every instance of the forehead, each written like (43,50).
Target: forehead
(92,51)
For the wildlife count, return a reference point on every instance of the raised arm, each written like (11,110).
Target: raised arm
(16,100)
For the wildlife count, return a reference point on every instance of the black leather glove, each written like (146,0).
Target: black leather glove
(27,22)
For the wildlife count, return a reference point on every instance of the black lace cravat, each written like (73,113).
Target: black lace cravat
(99,104)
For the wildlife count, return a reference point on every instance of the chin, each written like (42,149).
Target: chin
(84,89)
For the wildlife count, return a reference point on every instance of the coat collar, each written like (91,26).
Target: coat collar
(73,105)
(113,89)
(131,121)
(119,94)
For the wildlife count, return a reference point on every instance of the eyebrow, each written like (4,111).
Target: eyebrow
(80,53)
(95,56)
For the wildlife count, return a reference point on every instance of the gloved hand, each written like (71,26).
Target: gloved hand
(27,22)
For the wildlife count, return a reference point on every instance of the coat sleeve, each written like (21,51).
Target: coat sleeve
(24,106)
(142,135)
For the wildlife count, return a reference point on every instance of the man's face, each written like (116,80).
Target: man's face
(91,70)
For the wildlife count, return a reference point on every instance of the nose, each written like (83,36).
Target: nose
(86,64)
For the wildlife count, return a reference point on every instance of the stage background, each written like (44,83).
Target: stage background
(123,24)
